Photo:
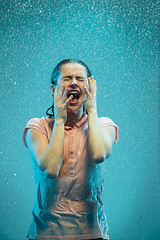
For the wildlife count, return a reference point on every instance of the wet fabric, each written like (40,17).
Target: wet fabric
(70,206)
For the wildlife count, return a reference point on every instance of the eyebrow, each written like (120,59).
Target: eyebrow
(71,77)
(67,77)
(80,77)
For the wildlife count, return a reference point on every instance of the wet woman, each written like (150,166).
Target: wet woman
(69,149)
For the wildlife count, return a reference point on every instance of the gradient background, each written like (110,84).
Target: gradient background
(118,40)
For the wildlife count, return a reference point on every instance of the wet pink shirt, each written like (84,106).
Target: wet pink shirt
(71,206)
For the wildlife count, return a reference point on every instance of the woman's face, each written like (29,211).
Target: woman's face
(73,76)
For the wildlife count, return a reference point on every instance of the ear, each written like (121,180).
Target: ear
(52,89)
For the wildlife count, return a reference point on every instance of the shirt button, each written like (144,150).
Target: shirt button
(71,165)
(72,135)
(71,153)
(72,145)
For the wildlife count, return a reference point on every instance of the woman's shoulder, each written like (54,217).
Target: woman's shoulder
(105,120)
(43,125)
(43,121)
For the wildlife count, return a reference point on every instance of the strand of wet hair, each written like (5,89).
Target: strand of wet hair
(49,114)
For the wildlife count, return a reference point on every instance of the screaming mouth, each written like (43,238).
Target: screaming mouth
(75,94)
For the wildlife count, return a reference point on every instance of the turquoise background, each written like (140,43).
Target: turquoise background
(119,42)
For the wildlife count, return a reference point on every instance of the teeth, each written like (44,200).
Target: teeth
(74,93)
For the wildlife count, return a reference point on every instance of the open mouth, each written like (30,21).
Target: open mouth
(75,94)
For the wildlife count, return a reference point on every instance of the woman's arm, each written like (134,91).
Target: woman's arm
(100,139)
(50,154)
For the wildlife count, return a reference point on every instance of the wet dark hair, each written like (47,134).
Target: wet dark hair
(56,73)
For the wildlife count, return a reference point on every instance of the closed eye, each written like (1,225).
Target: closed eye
(80,78)
(67,78)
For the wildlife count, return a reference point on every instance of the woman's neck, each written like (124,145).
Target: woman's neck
(73,117)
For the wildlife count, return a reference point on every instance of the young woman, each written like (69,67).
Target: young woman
(68,150)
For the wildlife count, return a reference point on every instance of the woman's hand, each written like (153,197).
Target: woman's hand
(91,105)
(61,102)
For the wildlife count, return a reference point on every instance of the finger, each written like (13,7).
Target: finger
(60,93)
(55,95)
(64,95)
(87,91)
(92,79)
(86,84)
(90,84)
(95,87)
(68,100)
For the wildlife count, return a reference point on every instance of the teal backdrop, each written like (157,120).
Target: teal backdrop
(118,40)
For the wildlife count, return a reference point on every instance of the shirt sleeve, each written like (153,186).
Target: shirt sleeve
(104,122)
(35,123)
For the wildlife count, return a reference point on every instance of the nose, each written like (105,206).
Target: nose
(74,84)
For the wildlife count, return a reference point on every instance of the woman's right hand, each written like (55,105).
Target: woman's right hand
(61,102)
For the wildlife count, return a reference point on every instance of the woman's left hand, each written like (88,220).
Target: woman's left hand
(91,105)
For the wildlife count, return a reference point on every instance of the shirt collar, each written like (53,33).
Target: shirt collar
(80,123)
